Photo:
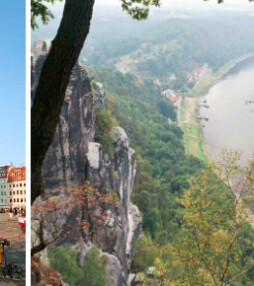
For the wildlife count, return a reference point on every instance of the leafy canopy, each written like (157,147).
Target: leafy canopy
(64,260)
(38,9)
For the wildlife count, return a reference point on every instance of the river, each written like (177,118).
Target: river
(231,120)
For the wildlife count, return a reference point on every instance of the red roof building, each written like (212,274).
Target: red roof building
(173,98)
(4,171)
(17,174)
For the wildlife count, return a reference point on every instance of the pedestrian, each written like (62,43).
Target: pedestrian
(10,213)
(15,212)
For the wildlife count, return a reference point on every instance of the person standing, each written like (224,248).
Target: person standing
(11,212)
(15,212)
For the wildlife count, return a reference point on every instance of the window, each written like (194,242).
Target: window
(25,199)
(24,191)
(17,185)
(10,200)
(17,200)
(10,193)
(21,200)
(14,200)
(10,185)
(24,184)
(13,185)
(17,192)
(21,192)
(13,192)
(20,185)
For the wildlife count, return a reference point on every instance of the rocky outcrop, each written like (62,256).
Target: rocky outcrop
(100,94)
(74,157)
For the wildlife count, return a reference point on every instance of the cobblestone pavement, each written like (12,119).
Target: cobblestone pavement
(15,253)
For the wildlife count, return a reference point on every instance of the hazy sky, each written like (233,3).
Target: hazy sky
(229,4)
(12,82)
(181,2)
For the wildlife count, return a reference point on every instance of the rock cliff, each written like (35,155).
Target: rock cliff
(74,157)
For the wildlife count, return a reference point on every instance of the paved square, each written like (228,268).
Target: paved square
(15,253)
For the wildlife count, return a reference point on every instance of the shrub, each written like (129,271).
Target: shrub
(144,254)
(64,260)
(103,133)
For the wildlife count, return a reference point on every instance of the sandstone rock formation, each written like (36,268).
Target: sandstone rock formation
(75,157)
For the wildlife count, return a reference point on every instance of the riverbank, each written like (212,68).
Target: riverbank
(211,78)
(191,126)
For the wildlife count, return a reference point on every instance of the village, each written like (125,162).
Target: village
(176,98)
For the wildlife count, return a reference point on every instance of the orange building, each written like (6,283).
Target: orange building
(17,187)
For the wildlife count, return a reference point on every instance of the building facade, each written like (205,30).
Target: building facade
(17,187)
(4,172)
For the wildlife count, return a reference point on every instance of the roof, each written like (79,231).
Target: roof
(4,171)
(17,174)
(173,98)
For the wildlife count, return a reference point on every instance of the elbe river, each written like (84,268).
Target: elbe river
(231,115)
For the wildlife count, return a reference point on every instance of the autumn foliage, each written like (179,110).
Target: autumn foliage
(83,208)
(215,243)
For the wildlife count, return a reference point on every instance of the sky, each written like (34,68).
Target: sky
(12,82)
(187,3)
(228,5)
(190,4)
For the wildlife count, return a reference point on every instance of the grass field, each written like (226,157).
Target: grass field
(193,138)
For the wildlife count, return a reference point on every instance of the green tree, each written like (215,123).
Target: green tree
(144,254)
(94,270)
(215,243)
(38,9)
(64,260)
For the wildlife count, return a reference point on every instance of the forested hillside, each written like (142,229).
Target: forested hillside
(167,44)
(163,167)
(172,205)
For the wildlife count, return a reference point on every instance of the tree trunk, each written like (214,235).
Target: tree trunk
(54,78)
